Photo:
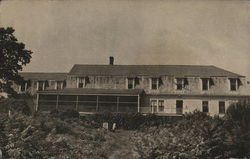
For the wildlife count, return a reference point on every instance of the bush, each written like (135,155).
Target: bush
(15,105)
(132,121)
(70,113)
(238,125)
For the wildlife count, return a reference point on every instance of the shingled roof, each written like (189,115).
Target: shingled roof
(151,70)
(43,76)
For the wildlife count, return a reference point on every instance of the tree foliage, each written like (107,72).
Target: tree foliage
(13,56)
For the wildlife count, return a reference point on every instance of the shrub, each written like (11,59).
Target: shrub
(70,113)
(131,121)
(16,105)
(238,125)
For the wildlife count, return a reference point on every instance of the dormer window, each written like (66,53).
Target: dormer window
(81,82)
(131,83)
(154,83)
(24,86)
(179,83)
(205,84)
(40,85)
(233,84)
(60,84)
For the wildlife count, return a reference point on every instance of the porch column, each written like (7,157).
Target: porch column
(97,103)
(138,103)
(117,104)
(37,101)
(25,85)
(77,103)
(57,101)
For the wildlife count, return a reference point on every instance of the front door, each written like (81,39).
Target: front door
(179,107)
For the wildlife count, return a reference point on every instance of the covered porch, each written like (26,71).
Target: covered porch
(89,101)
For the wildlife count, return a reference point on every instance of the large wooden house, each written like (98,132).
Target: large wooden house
(159,89)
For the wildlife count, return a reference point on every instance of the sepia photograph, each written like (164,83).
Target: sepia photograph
(124,79)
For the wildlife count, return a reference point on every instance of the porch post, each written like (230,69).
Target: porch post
(117,104)
(77,103)
(37,101)
(138,104)
(97,102)
(26,85)
(57,101)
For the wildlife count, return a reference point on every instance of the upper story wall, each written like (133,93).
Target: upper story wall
(165,84)
(32,86)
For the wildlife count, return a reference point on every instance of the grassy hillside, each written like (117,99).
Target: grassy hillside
(65,135)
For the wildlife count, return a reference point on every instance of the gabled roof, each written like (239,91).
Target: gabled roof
(92,91)
(43,76)
(151,70)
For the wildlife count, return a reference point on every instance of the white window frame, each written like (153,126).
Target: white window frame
(57,85)
(224,107)
(207,105)
(157,83)
(83,81)
(37,85)
(236,84)
(157,105)
(208,84)
(25,87)
(182,84)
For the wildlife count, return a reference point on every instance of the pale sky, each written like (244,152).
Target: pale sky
(62,33)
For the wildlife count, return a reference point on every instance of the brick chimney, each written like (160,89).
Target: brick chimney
(111,60)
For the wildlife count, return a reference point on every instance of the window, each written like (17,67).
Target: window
(161,105)
(179,106)
(59,84)
(233,84)
(205,84)
(179,83)
(23,87)
(131,83)
(221,107)
(40,85)
(81,82)
(154,105)
(205,108)
(154,83)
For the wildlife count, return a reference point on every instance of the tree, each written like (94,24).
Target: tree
(13,56)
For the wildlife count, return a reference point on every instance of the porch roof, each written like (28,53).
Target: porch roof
(90,91)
